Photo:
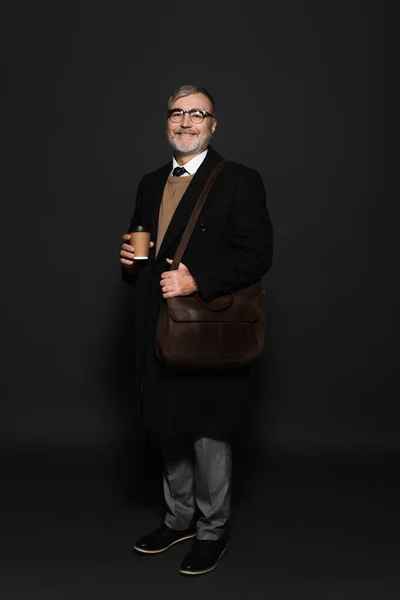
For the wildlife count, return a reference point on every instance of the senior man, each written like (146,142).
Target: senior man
(194,413)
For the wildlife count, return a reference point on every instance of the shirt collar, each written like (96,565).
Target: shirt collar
(192,165)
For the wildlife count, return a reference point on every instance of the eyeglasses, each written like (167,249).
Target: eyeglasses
(196,115)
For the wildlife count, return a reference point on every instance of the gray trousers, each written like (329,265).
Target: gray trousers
(197,474)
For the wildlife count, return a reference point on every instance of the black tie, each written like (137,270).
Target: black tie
(178,171)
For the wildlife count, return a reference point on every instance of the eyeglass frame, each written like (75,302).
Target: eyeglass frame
(204,113)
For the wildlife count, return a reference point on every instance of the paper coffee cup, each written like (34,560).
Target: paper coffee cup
(140,240)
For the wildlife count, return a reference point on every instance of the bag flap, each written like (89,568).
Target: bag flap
(245,305)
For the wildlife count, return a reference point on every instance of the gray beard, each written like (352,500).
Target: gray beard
(195,148)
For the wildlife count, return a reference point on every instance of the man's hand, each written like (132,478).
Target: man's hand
(127,253)
(178,282)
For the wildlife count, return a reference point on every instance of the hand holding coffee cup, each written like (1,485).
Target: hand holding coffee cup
(129,251)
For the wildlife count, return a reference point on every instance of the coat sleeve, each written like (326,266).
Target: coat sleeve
(251,243)
(137,218)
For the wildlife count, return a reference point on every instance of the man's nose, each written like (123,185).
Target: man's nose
(186,122)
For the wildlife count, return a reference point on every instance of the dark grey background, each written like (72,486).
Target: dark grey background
(299,93)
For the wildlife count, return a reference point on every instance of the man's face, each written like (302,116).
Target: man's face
(188,138)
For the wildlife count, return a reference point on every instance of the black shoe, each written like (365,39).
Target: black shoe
(203,557)
(162,538)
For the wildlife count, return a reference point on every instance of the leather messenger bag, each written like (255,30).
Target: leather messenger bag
(228,332)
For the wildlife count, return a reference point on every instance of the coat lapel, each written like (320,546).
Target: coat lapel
(187,203)
(157,194)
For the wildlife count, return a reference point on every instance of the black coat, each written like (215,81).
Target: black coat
(230,248)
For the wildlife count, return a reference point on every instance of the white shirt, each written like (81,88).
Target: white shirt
(193,164)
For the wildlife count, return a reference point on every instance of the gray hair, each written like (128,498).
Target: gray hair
(187,90)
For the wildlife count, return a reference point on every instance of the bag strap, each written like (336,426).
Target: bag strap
(195,215)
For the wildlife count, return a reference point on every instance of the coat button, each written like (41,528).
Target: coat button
(203,227)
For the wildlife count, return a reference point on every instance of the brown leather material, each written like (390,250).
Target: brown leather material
(242,306)
(192,336)
(227,332)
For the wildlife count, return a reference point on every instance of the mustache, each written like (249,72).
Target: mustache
(185,131)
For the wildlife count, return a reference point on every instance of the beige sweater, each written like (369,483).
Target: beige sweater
(173,192)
